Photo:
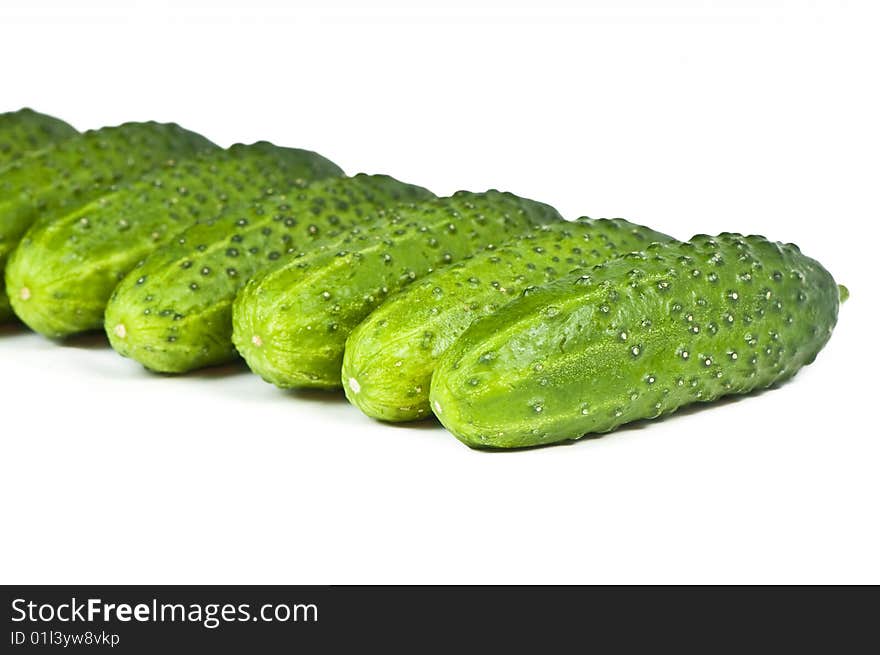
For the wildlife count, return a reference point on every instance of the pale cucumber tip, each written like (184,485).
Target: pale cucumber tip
(844,293)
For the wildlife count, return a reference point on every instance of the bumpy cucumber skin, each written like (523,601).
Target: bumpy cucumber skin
(75,171)
(63,272)
(291,324)
(390,357)
(636,338)
(173,312)
(25,131)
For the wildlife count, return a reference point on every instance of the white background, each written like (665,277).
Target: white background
(689,115)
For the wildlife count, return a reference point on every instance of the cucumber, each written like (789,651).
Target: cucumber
(389,358)
(635,338)
(25,131)
(291,324)
(173,312)
(22,133)
(63,272)
(57,180)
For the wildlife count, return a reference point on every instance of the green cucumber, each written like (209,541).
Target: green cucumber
(173,312)
(389,358)
(25,131)
(63,272)
(56,180)
(291,324)
(635,338)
